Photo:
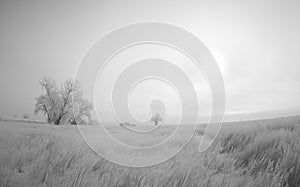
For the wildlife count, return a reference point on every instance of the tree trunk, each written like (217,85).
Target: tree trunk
(57,121)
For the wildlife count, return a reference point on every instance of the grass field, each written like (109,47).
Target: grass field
(256,153)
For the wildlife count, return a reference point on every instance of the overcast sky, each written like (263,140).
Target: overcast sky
(256,44)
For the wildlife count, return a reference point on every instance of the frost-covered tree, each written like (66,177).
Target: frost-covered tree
(49,101)
(64,104)
(81,111)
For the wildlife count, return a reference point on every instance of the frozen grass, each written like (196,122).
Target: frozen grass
(42,155)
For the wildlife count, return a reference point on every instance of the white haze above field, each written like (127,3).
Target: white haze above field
(255,43)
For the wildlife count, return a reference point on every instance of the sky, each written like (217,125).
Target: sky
(255,43)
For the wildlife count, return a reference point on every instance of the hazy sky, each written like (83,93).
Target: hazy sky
(256,44)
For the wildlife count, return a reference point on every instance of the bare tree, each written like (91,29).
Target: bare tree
(156,119)
(67,91)
(63,105)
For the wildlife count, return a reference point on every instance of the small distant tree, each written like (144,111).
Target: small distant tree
(64,104)
(25,116)
(156,119)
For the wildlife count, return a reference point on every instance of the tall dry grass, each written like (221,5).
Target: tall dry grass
(269,154)
(40,155)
